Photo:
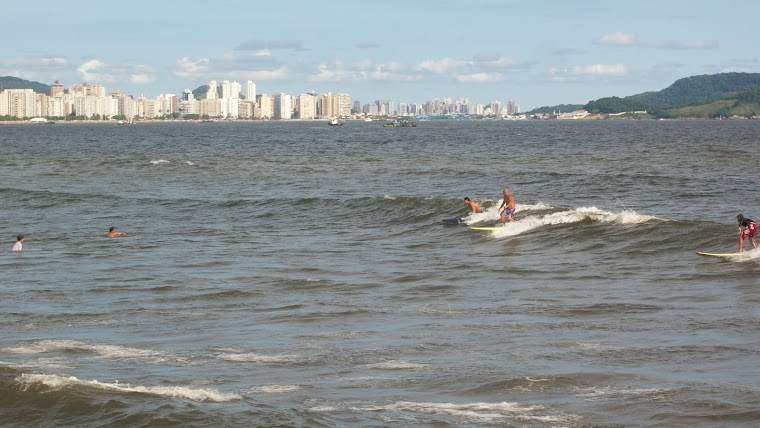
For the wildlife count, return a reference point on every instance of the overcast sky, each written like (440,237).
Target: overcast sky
(534,52)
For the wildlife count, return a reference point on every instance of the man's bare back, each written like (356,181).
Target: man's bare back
(507,207)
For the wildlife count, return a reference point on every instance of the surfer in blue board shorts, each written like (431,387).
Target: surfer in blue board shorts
(508,209)
(474,208)
(747,229)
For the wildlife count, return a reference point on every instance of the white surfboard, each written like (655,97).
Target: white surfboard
(721,255)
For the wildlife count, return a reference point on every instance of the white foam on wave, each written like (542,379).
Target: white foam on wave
(492,213)
(470,412)
(159,161)
(753,254)
(610,393)
(103,351)
(274,389)
(58,382)
(576,215)
(189,163)
(397,365)
(250,357)
(54,363)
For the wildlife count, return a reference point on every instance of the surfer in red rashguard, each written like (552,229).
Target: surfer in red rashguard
(747,229)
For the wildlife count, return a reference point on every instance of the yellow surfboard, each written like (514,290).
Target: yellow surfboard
(486,229)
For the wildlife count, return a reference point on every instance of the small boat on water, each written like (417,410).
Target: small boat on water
(400,123)
(334,122)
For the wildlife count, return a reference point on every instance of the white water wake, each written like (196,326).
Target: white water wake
(576,215)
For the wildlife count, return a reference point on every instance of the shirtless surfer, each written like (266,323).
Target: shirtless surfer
(474,208)
(747,229)
(113,234)
(508,209)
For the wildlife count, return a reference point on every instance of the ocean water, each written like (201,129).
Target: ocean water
(296,274)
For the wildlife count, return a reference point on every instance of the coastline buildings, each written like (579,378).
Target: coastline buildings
(228,100)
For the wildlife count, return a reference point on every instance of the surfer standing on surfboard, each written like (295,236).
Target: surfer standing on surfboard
(509,207)
(474,208)
(747,229)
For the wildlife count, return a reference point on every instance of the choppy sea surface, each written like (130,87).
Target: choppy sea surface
(296,274)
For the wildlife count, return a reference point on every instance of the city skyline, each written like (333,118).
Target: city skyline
(538,54)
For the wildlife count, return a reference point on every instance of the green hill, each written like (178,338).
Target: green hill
(9,82)
(703,89)
(690,92)
(746,104)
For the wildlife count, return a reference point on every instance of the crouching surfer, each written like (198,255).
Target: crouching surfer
(747,229)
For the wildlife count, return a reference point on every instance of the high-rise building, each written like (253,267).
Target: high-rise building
(98,91)
(230,107)
(495,108)
(335,105)
(307,106)
(245,109)
(282,106)
(250,91)
(56,88)
(166,104)
(20,103)
(211,93)
(80,90)
(230,89)
(511,107)
(265,109)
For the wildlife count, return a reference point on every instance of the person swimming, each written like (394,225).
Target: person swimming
(113,234)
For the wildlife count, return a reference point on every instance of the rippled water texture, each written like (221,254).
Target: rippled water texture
(300,274)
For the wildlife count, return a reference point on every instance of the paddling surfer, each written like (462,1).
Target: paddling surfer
(508,209)
(474,208)
(112,233)
(747,229)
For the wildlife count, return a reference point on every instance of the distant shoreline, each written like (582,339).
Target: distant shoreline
(593,118)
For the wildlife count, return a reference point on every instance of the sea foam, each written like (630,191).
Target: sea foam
(102,351)
(58,382)
(490,413)
(576,215)
(397,365)
(250,357)
(274,389)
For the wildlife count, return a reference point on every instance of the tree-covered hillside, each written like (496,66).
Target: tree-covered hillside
(9,82)
(691,91)
(703,89)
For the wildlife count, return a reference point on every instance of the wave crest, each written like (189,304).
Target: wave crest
(26,381)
